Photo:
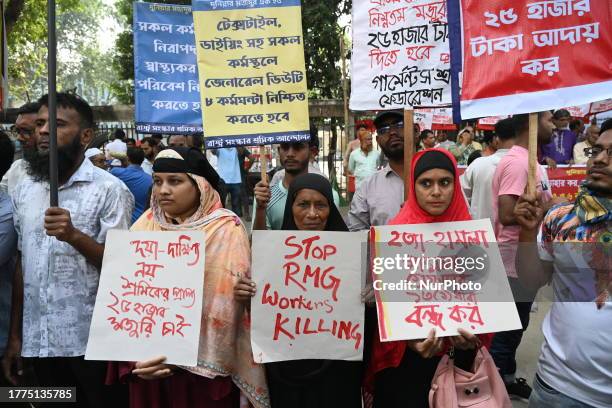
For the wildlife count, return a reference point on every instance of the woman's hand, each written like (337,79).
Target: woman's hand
(154,369)
(429,347)
(244,290)
(465,340)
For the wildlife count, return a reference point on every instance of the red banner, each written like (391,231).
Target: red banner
(563,181)
(526,56)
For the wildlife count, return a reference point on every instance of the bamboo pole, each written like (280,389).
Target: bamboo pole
(533,153)
(52,105)
(408,148)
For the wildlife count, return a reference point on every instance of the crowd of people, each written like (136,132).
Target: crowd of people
(50,258)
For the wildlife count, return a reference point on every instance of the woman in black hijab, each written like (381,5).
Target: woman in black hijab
(311,383)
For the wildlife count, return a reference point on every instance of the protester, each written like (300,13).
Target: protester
(400,372)
(490,144)
(61,249)
(592,133)
(177,141)
(379,198)
(270,199)
(561,147)
(243,155)
(476,154)
(97,158)
(465,145)
(353,145)
(577,126)
(196,140)
(185,198)
(313,167)
(228,165)
(130,142)
(150,147)
(117,148)
(363,161)
(137,181)
(310,383)
(443,142)
(476,181)
(575,364)
(25,127)
(8,247)
(509,182)
(428,139)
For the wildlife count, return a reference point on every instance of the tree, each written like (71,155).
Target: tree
(77,27)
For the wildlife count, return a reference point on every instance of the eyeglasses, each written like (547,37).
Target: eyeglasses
(386,129)
(595,151)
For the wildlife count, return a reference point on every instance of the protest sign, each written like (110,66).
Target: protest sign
(529,56)
(165,72)
(149,299)
(308,300)
(564,180)
(434,118)
(252,73)
(489,122)
(443,276)
(401,55)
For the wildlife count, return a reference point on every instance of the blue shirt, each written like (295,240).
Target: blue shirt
(8,248)
(228,165)
(138,182)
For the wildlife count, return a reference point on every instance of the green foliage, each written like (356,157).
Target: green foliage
(80,63)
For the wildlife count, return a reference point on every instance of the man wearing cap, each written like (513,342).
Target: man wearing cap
(379,198)
(96,156)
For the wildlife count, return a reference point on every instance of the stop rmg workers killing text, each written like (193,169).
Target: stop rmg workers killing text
(299,272)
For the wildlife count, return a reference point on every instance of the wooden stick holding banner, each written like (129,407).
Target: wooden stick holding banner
(263,161)
(408,148)
(532,147)
(51,105)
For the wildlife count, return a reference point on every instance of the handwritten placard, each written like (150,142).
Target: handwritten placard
(308,303)
(149,299)
(166,82)
(443,276)
(401,55)
(252,72)
(523,56)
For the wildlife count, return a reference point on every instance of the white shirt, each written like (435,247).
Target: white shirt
(116,146)
(147,167)
(476,183)
(14,175)
(60,286)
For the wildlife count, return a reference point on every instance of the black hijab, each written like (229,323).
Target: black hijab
(194,162)
(318,183)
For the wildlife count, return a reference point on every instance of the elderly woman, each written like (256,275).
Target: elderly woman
(185,198)
(310,383)
(400,372)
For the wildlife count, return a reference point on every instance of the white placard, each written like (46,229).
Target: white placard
(308,301)
(149,299)
(401,55)
(457,255)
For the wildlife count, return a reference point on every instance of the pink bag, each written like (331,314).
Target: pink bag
(453,387)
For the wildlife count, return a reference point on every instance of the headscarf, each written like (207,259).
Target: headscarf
(318,183)
(390,354)
(225,345)
(411,212)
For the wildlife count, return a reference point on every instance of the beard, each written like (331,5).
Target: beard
(303,167)
(38,161)
(395,154)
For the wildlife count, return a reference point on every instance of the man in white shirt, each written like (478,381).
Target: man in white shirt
(60,255)
(592,133)
(25,127)
(150,147)
(364,161)
(476,181)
